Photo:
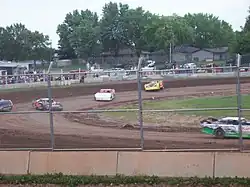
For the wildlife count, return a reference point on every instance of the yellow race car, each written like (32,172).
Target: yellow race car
(154,86)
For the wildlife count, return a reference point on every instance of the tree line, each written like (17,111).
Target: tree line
(17,43)
(84,34)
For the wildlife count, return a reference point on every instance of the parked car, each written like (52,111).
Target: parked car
(105,95)
(6,105)
(43,104)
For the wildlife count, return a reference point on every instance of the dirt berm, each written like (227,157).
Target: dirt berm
(20,96)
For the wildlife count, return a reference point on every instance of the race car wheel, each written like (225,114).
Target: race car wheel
(39,107)
(219,133)
(9,109)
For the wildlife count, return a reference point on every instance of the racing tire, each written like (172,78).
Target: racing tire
(36,108)
(219,133)
(9,109)
(40,109)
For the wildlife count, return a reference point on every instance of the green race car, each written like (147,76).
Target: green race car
(227,127)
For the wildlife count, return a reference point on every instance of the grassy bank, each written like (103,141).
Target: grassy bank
(205,102)
(63,180)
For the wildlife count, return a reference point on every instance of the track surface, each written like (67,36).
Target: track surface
(31,130)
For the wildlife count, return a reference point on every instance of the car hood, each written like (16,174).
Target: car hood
(150,85)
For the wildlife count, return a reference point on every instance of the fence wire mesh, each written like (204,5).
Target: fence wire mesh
(69,79)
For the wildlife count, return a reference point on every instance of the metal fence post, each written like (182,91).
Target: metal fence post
(6,78)
(239,102)
(140,119)
(52,138)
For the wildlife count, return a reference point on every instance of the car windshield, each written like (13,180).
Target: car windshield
(47,100)
(246,123)
(231,121)
(105,91)
(151,83)
(222,121)
(4,102)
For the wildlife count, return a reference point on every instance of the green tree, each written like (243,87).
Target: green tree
(135,21)
(82,35)
(19,44)
(161,31)
(157,33)
(243,40)
(5,45)
(65,50)
(183,33)
(79,34)
(209,31)
(243,46)
(114,33)
(247,23)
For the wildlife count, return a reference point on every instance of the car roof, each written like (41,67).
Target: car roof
(231,118)
(44,98)
(152,82)
(3,101)
(155,81)
(105,90)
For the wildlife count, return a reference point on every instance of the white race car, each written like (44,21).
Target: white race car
(105,95)
(225,127)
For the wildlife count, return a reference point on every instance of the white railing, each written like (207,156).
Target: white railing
(62,78)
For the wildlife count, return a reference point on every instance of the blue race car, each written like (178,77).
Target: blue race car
(6,105)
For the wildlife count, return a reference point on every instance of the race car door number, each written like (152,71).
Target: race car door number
(245,129)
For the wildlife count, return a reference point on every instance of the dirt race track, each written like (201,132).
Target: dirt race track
(78,131)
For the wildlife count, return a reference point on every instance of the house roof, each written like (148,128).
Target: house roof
(185,49)
(160,52)
(217,50)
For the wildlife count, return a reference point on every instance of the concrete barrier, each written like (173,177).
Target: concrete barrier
(232,164)
(73,163)
(172,164)
(14,162)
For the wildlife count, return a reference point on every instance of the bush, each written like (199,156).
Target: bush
(67,180)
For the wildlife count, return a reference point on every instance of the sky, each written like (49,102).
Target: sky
(45,15)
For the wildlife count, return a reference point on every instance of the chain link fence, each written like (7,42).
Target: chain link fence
(50,80)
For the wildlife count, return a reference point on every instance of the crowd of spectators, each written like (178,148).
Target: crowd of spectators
(36,76)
